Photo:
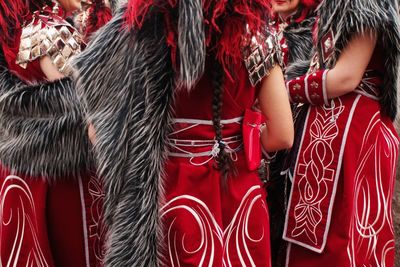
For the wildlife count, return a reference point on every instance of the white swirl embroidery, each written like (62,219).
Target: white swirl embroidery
(97,229)
(212,237)
(315,171)
(373,191)
(21,218)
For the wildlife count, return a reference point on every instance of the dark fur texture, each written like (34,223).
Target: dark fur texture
(349,17)
(299,40)
(41,128)
(126,81)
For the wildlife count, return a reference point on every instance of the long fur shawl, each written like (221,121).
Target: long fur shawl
(126,81)
(349,17)
(42,133)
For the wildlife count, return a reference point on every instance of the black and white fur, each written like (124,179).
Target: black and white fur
(42,133)
(115,4)
(299,38)
(127,82)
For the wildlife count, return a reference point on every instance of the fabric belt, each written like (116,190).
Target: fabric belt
(182,146)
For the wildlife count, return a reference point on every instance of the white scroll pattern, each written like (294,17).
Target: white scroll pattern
(21,216)
(212,238)
(97,229)
(314,171)
(373,190)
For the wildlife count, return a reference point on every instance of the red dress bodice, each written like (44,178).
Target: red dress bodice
(197,104)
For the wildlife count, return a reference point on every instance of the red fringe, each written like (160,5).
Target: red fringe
(13,14)
(225,21)
(11,18)
(99,15)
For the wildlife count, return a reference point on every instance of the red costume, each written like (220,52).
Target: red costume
(340,211)
(50,201)
(206,221)
(157,99)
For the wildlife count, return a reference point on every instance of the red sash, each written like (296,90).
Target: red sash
(317,171)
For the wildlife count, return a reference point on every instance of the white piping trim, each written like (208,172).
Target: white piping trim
(306,90)
(360,92)
(295,167)
(324,88)
(206,122)
(288,92)
(290,176)
(288,250)
(344,141)
(84,222)
(200,154)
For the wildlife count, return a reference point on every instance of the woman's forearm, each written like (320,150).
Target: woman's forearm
(351,65)
(274,103)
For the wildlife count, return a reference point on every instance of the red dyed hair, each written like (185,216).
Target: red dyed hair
(13,14)
(310,3)
(225,22)
(99,15)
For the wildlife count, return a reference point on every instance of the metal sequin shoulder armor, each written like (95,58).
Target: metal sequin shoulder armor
(261,52)
(49,34)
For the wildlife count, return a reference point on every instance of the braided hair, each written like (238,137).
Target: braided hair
(224,161)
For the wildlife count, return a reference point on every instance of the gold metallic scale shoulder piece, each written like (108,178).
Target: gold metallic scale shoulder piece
(53,38)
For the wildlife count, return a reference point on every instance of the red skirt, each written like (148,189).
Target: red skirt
(45,224)
(361,223)
(210,221)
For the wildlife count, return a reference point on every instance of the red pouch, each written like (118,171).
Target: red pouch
(252,122)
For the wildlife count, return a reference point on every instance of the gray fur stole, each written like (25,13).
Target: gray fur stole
(42,133)
(127,82)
